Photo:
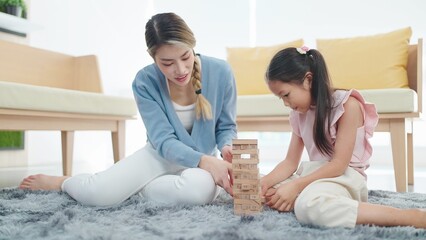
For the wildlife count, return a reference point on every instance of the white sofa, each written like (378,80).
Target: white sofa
(46,90)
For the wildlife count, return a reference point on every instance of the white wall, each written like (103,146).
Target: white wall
(114,31)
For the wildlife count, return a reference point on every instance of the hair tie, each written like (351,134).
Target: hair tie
(198,91)
(303,50)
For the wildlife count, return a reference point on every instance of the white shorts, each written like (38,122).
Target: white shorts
(329,202)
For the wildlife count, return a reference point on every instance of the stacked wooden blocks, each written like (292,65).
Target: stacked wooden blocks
(245,171)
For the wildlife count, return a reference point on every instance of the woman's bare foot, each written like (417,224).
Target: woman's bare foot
(42,182)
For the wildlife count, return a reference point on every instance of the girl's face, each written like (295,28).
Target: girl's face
(295,96)
(176,63)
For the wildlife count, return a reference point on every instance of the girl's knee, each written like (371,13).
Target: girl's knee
(306,208)
(325,210)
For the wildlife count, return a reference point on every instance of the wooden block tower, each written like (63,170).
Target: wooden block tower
(245,171)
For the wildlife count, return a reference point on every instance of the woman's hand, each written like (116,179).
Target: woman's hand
(220,170)
(266,190)
(283,198)
(264,186)
(227,153)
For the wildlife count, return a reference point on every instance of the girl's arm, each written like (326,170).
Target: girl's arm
(286,167)
(348,124)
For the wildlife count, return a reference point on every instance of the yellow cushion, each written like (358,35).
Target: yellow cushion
(368,62)
(249,66)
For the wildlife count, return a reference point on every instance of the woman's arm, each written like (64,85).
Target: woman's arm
(220,171)
(226,126)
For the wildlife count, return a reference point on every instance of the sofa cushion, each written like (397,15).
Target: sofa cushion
(249,66)
(37,98)
(395,100)
(368,62)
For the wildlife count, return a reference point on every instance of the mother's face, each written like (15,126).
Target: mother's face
(176,63)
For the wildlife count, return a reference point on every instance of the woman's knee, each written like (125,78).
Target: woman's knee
(193,186)
(200,186)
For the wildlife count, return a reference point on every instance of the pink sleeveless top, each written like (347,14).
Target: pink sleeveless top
(303,123)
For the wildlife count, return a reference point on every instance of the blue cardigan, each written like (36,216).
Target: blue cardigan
(165,131)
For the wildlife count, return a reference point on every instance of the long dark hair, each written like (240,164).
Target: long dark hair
(290,65)
(169,28)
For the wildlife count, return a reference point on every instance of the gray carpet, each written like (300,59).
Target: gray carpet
(54,215)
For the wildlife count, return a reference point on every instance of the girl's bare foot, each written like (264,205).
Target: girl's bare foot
(42,182)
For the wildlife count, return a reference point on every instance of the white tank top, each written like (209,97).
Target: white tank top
(186,115)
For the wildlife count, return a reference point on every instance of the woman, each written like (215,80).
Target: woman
(188,105)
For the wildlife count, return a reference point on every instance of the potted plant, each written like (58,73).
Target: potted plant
(2,7)
(14,7)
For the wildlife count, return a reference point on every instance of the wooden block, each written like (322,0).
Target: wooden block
(249,168)
(255,197)
(246,202)
(248,191)
(244,141)
(247,209)
(245,161)
(246,181)
(253,151)
(242,196)
(246,175)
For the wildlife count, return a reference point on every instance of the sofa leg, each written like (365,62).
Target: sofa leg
(399,153)
(410,158)
(118,141)
(67,138)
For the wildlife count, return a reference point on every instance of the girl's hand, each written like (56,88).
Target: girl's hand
(268,194)
(283,198)
(220,170)
(227,153)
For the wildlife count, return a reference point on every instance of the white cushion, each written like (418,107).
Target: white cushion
(391,100)
(30,97)
(261,105)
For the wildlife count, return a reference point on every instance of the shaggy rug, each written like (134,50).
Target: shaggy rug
(54,215)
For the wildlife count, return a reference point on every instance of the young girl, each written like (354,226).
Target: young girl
(334,126)
(188,105)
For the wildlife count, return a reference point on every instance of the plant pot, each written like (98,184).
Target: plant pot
(14,10)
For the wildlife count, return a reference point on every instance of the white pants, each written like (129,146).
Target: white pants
(147,173)
(329,202)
